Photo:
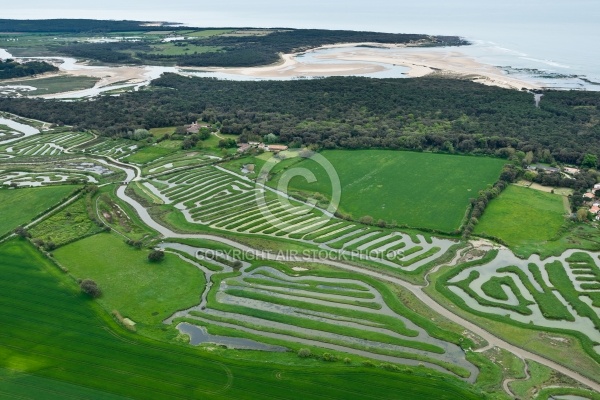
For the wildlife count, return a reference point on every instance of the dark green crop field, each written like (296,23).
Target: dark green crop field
(421,190)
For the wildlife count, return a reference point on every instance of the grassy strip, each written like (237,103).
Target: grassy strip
(355,246)
(343,230)
(551,393)
(383,243)
(290,285)
(331,226)
(493,287)
(342,242)
(549,305)
(396,247)
(520,308)
(561,281)
(321,326)
(296,303)
(308,282)
(432,251)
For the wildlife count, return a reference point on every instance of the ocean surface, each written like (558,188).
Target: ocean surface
(551,41)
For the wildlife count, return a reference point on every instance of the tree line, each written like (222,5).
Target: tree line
(420,114)
(64,25)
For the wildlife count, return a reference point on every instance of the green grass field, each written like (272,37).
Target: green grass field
(20,206)
(523,217)
(148,154)
(55,344)
(172,49)
(143,291)
(421,190)
(57,84)
(160,132)
(209,32)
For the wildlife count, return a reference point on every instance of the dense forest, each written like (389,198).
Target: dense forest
(430,113)
(12,69)
(72,25)
(242,51)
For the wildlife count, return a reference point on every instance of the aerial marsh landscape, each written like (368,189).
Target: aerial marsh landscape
(258,213)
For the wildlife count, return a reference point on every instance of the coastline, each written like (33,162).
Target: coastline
(420,61)
(342,59)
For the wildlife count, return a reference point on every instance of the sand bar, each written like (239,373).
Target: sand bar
(355,60)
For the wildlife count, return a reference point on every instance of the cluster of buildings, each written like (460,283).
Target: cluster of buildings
(195,127)
(275,148)
(591,198)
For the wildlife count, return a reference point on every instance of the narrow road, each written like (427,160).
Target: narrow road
(417,291)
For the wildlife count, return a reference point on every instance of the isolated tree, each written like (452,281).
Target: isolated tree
(22,232)
(270,138)
(156,255)
(237,264)
(576,201)
(582,214)
(529,175)
(90,288)
(367,220)
(140,134)
(528,157)
(589,161)
(304,353)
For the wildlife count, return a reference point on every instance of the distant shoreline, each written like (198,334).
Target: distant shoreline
(421,61)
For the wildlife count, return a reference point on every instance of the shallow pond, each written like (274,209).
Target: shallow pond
(199,335)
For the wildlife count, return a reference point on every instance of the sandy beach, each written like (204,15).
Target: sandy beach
(363,60)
